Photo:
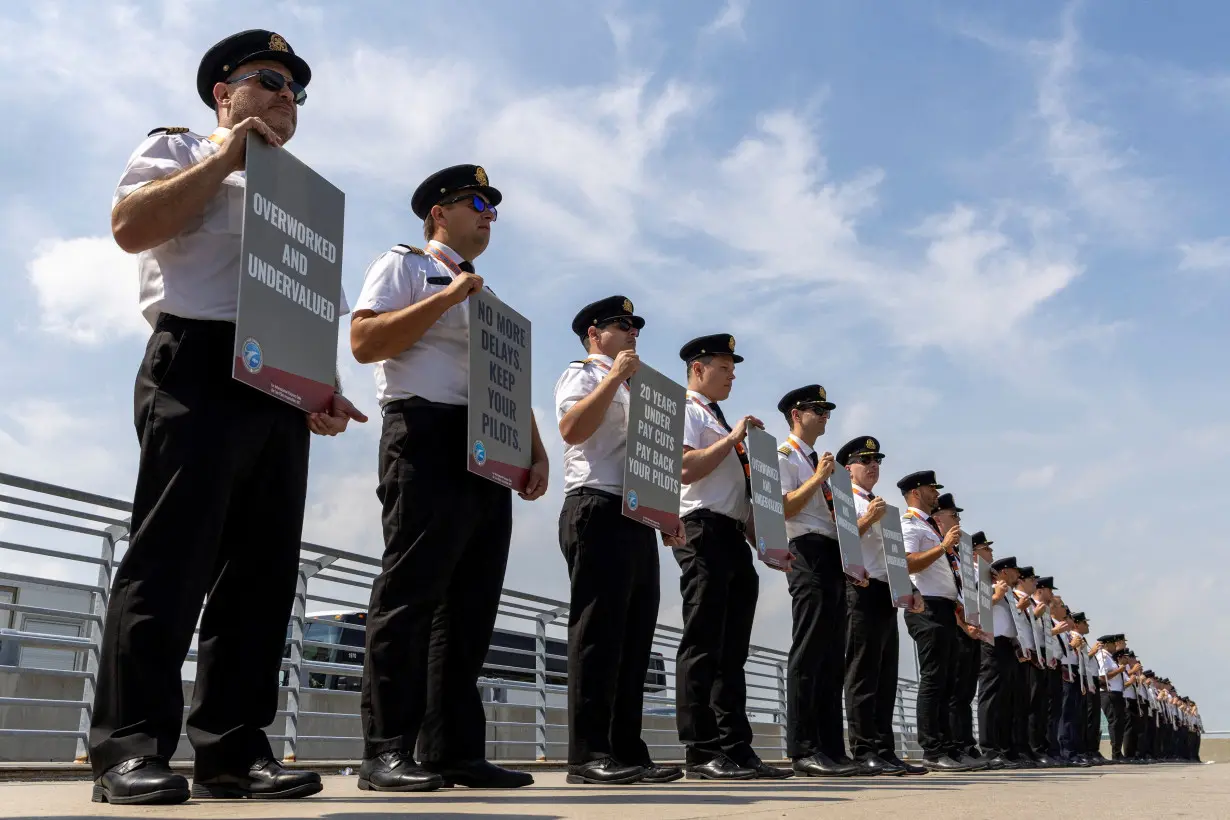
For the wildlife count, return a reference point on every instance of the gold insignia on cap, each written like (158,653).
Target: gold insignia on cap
(627,306)
(732,344)
(822,396)
(276,43)
(871,444)
(480,175)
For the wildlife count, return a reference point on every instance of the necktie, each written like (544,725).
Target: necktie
(740,450)
(814,458)
(467,267)
(952,559)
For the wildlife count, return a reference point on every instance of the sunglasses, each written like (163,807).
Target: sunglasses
(623,324)
(476,202)
(865,460)
(274,81)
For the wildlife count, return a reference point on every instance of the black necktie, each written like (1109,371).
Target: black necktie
(952,558)
(814,459)
(467,267)
(740,450)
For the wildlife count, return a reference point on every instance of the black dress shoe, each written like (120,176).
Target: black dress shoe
(719,768)
(657,773)
(479,774)
(820,765)
(606,772)
(908,768)
(971,762)
(870,765)
(146,780)
(396,772)
(1046,762)
(264,780)
(995,762)
(891,766)
(944,763)
(766,772)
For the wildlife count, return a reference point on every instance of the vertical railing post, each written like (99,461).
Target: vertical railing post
(294,677)
(540,679)
(782,716)
(94,631)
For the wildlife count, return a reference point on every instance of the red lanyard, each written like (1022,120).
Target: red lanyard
(442,259)
(605,368)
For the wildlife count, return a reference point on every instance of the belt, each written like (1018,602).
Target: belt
(416,403)
(594,491)
(710,515)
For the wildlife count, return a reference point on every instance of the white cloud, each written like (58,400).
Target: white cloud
(729,19)
(1036,477)
(1100,177)
(86,289)
(1211,255)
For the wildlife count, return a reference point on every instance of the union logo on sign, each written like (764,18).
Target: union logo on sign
(633,502)
(253,359)
(480,453)
(760,544)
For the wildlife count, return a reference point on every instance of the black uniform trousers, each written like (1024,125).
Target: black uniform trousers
(1037,715)
(871,668)
(719,585)
(1112,706)
(1024,703)
(1131,727)
(1148,735)
(1054,707)
(613,608)
(817,666)
(433,606)
(997,695)
(217,518)
(1093,722)
(968,664)
(935,635)
(1072,719)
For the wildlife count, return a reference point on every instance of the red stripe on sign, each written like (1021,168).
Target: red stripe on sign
(307,394)
(658,519)
(509,475)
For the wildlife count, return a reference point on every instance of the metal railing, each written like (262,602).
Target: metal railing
(341,580)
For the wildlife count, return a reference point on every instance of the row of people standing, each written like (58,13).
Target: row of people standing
(221,487)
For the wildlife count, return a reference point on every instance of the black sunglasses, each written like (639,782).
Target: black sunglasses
(274,81)
(476,202)
(624,324)
(864,459)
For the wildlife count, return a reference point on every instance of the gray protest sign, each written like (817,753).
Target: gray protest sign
(847,524)
(986,588)
(500,415)
(290,279)
(969,580)
(653,466)
(768,512)
(900,587)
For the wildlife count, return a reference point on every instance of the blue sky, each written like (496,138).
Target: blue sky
(994,232)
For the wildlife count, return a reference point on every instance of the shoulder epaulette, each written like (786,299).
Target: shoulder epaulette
(168,129)
(404,249)
(784,449)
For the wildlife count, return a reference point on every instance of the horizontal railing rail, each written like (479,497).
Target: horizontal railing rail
(55,520)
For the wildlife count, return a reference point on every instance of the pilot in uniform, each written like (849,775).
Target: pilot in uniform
(872,639)
(222,478)
(933,569)
(612,559)
(446,530)
(718,580)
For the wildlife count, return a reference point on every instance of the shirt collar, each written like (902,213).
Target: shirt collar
(919,513)
(447,251)
(804,448)
(701,396)
(220,133)
(599,357)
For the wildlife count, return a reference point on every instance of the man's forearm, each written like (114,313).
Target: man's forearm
(699,463)
(795,500)
(160,210)
(918,561)
(585,417)
(538,453)
(375,337)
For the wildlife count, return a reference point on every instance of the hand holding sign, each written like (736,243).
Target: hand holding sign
(232,153)
(625,366)
(463,287)
(825,468)
(740,432)
(536,484)
(337,419)
(876,509)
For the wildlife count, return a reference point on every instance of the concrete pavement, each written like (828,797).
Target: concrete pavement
(1154,791)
